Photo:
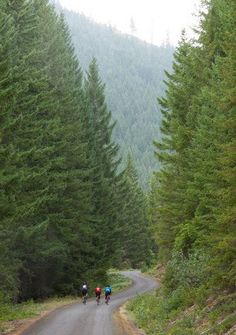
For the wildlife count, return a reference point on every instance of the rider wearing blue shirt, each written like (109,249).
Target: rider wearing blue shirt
(107,292)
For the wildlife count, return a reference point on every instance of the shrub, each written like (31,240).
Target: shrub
(189,271)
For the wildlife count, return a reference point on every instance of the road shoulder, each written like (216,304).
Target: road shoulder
(125,324)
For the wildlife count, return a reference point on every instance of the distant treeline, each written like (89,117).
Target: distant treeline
(66,213)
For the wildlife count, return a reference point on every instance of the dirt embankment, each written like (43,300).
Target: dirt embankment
(125,324)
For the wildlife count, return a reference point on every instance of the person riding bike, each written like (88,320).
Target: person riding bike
(98,292)
(107,293)
(84,291)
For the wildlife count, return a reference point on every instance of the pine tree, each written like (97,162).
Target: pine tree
(176,206)
(103,163)
(193,202)
(8,266)
(218,37)
(133,223)
(50,197)
(18,132)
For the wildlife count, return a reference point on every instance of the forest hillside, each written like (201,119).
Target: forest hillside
(133,72)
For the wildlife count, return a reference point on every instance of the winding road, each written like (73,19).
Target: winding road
(90,319)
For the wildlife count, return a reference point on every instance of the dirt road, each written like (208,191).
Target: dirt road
(91,319)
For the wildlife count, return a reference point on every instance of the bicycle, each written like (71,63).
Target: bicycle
(107,299)
(85,297)
(98,299)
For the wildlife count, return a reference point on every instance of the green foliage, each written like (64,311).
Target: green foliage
(58,163)
(192,198)
(118,281)
(146,310)
(186,272)
(133,72)
(9,312)
(178,313)
(192,202)
(133,223)
(186,237)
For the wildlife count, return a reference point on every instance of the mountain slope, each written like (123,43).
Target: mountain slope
(133,71)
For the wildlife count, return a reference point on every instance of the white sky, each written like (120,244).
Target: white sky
(154,19)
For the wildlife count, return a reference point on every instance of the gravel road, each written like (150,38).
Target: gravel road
(90,319)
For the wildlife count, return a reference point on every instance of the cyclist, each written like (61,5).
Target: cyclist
(84,291)
(107,294)
(98,292)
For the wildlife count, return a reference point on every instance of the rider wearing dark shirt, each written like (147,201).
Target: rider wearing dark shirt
(84,289)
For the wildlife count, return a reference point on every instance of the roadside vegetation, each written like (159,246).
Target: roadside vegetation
(183,306)
(118,282)
(192,200)
(178,314)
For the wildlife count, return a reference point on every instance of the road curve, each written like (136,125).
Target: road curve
(90,319)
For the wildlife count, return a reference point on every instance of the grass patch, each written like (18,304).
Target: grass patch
(118,281)
(10,312)
(177,314)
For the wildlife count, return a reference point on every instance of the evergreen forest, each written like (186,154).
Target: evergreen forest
(193,196)
(72,202)
(66,208)
(133,71)
(192,202)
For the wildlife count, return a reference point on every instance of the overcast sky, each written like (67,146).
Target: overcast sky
(154,20)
